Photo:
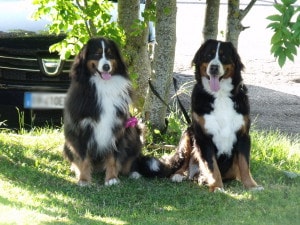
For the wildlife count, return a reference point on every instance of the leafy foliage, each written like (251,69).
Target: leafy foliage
(78,20)
(171,135)
(286,27)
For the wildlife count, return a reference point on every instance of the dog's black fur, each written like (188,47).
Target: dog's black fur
(216,146)
(96,113)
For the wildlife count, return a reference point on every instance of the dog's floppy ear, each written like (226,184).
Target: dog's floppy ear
(79,68)
(199,54)
(121,65)
(239,66)
(199,57)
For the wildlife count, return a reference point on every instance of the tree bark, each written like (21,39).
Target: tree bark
(163,63)
(210,29)
(136,48)
(234,20)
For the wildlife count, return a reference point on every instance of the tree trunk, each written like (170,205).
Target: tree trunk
(163,63)
(210,29)
(234,19)
(136,48)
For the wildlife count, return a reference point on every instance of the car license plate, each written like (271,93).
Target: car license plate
(42,100)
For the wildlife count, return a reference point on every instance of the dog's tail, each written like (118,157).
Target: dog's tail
(164,167)
(149,166)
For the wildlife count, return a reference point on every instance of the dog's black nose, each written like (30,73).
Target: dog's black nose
(214,69)
(106,67)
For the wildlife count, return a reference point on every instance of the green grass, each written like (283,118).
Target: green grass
(37,187)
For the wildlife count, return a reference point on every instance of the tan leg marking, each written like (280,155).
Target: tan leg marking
(184,149)
(126,168)
(246,176)
(83,171)
(112,170)
(212,178)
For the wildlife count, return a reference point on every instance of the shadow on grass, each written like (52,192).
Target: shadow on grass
(143,201)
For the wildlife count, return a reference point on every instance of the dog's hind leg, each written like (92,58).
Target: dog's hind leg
(184,151)
(112,170)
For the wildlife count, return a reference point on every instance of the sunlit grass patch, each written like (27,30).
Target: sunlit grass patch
(276,149)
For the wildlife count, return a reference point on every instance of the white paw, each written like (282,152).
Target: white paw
(83,183)
(219,190)
(73,168)
(257,188)
(111,182)
(135,175)
(177,178)
(201,180)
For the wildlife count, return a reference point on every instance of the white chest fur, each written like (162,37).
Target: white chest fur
(112,95)
(223,122)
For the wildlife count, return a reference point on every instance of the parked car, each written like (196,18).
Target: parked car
(33,81)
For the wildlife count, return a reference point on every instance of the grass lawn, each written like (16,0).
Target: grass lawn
(37,187)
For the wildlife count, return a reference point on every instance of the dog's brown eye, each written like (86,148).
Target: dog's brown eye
(97,55)
(109,54)
(225,59)
(209,56)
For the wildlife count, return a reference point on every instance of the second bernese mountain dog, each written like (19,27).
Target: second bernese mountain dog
(216,146)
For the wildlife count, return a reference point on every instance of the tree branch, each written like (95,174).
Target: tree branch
(245,11)
(88,24)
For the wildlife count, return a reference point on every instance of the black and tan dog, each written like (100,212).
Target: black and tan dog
(216,146)
(100,134)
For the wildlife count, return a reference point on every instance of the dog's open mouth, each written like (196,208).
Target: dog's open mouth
(105,75)
(215,78)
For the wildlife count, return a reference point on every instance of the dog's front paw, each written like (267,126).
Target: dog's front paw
(112,181)
(257,188)
(178,178)
(135,175)
(219,190)
(83,183)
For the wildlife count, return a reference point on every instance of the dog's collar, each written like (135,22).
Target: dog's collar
(131,122)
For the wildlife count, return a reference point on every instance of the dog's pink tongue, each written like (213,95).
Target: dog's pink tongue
(214,83)
(105,76)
